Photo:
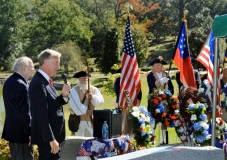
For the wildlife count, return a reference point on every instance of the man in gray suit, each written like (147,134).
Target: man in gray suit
(17,122)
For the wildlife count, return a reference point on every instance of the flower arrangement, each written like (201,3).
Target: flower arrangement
(165,109)
(141,120)
(222,127)
(200,129)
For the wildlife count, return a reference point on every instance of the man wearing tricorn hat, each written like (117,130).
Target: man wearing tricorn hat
(94,99)
(157,78)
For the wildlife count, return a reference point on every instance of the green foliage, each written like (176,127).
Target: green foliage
(108,86)
(71,56)
(110,52)
(53,22)
(11,14)
(140,44)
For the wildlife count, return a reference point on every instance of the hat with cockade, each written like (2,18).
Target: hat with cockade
(80,74)
(159,59)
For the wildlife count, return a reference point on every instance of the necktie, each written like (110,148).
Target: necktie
(51,82)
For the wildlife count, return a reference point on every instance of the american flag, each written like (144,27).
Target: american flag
(130,77)
(206,58)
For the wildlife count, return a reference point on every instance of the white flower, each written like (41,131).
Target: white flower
(193,117)
(135,114)
(143,116)
(208,137)
(157,110)
(180,129)
(177,123)
(176,111)
(147,119)
(142,126)
(135,109)
(225,127)
(222,126)
(204,125)
(160,92)
(201,90)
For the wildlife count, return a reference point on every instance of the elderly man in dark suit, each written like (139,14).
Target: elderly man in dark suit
(17,122)
(48,123)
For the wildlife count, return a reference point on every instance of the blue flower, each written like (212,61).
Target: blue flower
(196,126)
(172,124)
(192,106)
(161,108)
(203,116)
(143,109)
(201,105)
(168,93)
(200,138)
(141,121)
(143,133)
(205,133)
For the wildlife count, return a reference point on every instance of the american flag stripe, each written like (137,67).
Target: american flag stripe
(130,77)
(206,58)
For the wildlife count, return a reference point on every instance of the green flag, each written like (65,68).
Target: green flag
(219,26)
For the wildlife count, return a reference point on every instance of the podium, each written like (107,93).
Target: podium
(113,119)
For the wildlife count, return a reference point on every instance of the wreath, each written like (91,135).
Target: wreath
(165,109)
(141,120)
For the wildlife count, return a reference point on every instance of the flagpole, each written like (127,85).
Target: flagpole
(214,104)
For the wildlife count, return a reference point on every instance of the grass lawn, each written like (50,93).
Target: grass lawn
(109,104)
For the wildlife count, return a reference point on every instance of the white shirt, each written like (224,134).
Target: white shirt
(79,108)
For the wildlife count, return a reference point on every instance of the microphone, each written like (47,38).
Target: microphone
(64,78)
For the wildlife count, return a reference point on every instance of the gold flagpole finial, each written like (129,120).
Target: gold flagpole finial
(185,14)
(129,7)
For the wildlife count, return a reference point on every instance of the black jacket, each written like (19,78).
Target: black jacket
(15,95)
(48,121)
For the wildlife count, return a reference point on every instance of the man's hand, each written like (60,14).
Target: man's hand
(54,146)
(66,90)
(89,112)
(164,80)
(89,95)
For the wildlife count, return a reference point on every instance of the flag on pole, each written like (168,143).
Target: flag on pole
(206,58)
(130,77)
(182,58)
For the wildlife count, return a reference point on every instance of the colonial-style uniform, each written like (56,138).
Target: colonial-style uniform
(78,94)
(158,80)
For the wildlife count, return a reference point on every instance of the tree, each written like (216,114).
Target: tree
(52,22)
(11,15)
(110,52)
(71,56)
(140,44)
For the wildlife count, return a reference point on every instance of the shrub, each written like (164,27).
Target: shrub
(5,151)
